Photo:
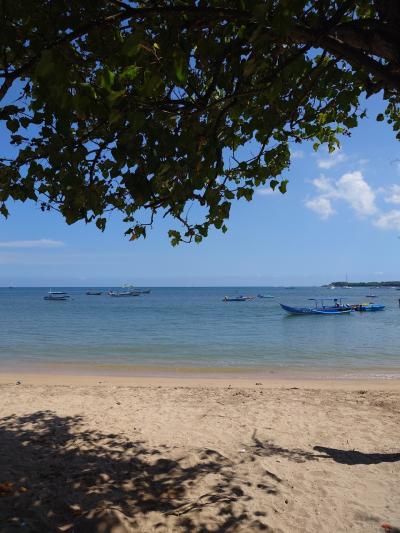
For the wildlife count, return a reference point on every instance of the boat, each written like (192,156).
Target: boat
(93,293)
(370,295)
(320,308)
(265,296)
(367,307)
(123,294)
(238,298)
(131,287)
(57,296)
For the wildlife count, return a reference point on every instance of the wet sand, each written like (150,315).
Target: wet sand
(161,454)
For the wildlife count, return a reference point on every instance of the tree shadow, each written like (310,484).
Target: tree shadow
(269,449)
(57,476)
(354,457)
(348,457)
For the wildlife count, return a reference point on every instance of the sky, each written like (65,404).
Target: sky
(340,218)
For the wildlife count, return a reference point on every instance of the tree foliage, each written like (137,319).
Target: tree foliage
(148,107)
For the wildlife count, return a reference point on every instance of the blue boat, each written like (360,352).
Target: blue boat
(368,307)
(265,296)
(320,309)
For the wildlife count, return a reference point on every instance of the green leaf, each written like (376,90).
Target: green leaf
(380,117)
(106,79)
(12,125)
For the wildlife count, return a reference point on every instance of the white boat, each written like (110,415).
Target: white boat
(58,296)
(123,294)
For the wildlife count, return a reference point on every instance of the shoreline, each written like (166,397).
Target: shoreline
(92,369)
(195,382)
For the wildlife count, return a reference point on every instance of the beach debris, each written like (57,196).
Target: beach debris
(258,383)
(19,383)
(75,508)
(118,403)
(242,450)
(390,529)
(6,488)
(65,527)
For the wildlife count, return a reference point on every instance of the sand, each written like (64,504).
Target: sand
(81,454)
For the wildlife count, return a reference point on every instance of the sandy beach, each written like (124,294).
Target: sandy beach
(101,454)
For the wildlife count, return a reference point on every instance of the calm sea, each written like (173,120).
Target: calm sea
(192,328)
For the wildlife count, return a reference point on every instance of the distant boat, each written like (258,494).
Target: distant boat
(123,294)
(238,298)
(93,293)
(265,296)
(370,295)
(367,307)
(320,309)
(56,296)
(133,288)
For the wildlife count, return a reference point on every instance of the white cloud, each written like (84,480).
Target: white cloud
(389,220)
(324,184)
(40,243)
(351,188)
(297,154)
(267,191)
(321,205)
(332,160)
(394,195)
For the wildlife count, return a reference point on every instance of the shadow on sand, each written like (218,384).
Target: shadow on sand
(347,457)
(58,476)
(354,457)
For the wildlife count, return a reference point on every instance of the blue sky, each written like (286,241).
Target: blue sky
(340,216)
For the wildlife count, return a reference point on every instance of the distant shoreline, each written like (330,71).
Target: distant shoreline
(372,284)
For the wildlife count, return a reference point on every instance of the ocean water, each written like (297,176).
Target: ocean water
(192,328)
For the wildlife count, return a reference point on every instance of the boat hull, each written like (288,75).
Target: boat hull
(314,311)
(371,308)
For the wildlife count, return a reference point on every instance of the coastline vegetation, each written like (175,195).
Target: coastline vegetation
(363,284)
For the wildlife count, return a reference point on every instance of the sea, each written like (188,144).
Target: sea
(191,330)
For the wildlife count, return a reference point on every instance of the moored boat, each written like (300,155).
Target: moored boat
(123,294)
(314,311)
(57,296)
(93,293)
(365,307)
(238,298)
(320,308)
(265,296)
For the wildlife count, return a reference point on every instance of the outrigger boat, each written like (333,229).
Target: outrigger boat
(56,296)
(123,294)
(133,288)
(367,307)
(238,298)
(320,309)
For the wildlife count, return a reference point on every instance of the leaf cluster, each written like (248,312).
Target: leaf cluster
(148,108)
